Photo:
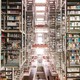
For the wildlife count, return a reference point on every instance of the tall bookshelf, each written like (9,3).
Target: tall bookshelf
(29,27)
(58,37)
(73,40)
(53,57)
(61,40)
(14,29)
(3,34)
(13,35)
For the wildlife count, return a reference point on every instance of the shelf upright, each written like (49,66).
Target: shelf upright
(29,27)
(22,29)
(25,31)
(24,49)
(63,39)
(3,34)
(0,34)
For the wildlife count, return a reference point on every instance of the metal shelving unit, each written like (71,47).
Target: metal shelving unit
(63,37)
(53,27)
(13,36)
(58,38)
(72,40)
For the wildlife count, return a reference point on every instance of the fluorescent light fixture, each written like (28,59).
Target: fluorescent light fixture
(40,13)
(40,1)
(40,8)
(40,19)
(39,22)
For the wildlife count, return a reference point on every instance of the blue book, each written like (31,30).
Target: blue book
(78,39)
(70,40)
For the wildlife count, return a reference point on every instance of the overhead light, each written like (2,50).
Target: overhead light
(40,1)
(40,8)
(40,19)
(40,13)
(40,23)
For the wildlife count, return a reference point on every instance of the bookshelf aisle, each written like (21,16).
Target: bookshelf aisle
(20,21)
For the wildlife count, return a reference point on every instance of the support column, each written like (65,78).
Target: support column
(0,33)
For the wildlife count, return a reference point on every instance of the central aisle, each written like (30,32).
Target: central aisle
(40,75)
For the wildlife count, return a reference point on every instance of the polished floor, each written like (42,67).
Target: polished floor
(40,74)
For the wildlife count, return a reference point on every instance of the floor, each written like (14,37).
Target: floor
(40,73)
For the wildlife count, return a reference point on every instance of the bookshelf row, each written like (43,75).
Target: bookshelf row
(73,11)
(73,40)
(14,23)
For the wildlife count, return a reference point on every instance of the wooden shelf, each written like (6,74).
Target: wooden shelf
(75,21)
(13,31)
(73,9)
(14,9)
(73,14)
(73,31)
(13,20)
(73,72)
(74,77)
(13,14)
